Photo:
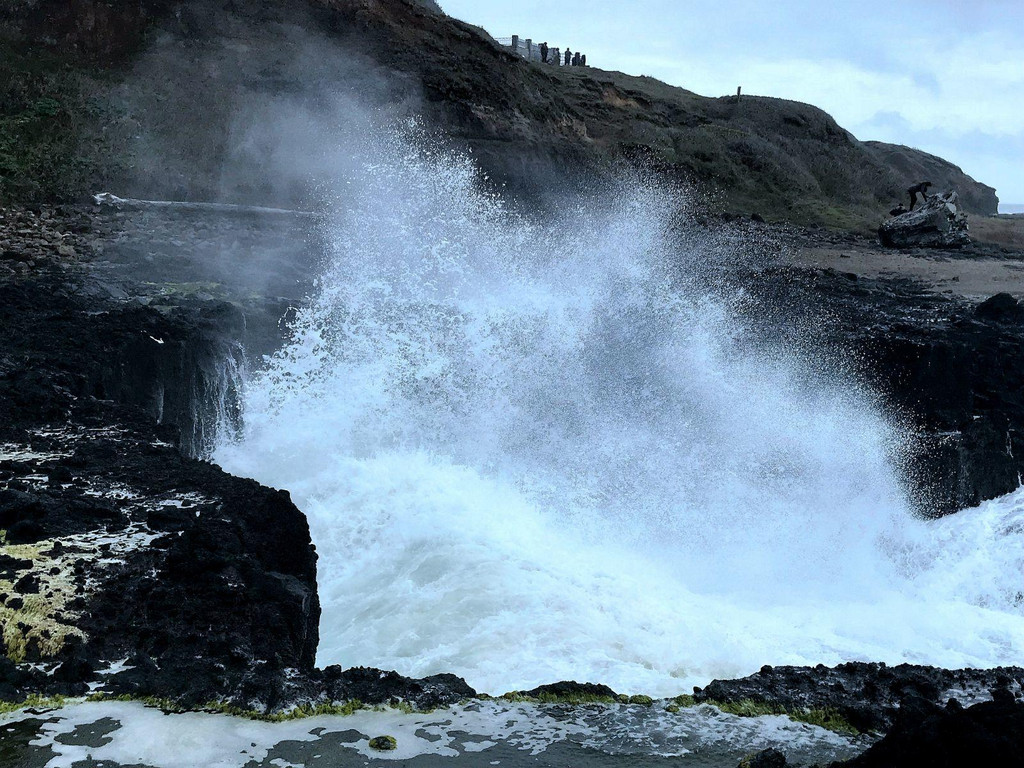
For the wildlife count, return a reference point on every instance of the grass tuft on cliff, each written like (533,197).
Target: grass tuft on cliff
(573,699)
(41,110)
(33,701)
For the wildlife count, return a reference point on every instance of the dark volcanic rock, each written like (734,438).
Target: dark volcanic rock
(939,222)
(263,688)
(169,365)
(205,582)
(375,686)
(1000,307)
(869,696)
(228,593)
(161,575)
(951,370)
(989,734)
(766,758)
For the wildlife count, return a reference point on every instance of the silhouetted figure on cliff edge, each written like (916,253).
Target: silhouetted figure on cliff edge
(918,189)
(544,52)
(568,57)
(576,59)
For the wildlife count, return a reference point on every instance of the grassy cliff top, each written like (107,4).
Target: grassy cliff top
(143,100)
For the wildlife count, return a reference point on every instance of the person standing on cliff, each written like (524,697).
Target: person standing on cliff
(918,189)
(544,52)
(568,57)
(576,59)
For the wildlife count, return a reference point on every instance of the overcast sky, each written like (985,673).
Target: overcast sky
(946,76)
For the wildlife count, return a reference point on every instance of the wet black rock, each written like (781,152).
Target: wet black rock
(375,686)
(170,365)
(766,758)
(27,584)
(986,734)
(11,565)
(166,576)
(204,581)
(262,689)
(868,696)
(13,680)
(951,370)
(1001,307)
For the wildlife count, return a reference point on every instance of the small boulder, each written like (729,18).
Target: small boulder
(59,475)
(383,743)
(27,584)
(939,222)
(766,758)
(1002,306)
(9,566)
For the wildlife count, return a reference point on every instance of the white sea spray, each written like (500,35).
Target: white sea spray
(532,452)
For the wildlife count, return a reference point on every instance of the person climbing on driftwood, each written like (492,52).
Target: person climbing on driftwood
(918,189)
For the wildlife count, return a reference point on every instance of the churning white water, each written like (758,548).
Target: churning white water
(541,452)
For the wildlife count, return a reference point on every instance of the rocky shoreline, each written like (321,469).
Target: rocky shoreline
(141,579)
(132,569)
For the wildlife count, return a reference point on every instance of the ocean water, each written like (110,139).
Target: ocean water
(533,452)
(1010,208)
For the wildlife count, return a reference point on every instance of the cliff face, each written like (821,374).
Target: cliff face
(915,164)
(178,89)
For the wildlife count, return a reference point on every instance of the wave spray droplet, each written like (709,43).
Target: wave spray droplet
(532,452)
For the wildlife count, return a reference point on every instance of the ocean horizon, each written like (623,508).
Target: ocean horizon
(1011,208)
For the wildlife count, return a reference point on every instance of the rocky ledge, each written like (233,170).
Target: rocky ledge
(868,696)
(118,550)
(126,566)
(950,368)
